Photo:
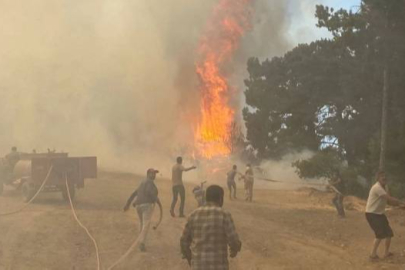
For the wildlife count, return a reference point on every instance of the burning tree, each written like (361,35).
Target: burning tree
(226,27)
(235,140)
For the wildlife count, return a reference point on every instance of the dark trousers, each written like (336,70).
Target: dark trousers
(338,202)
(232,186)
(176,191)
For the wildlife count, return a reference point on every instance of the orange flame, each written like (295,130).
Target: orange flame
(230,20)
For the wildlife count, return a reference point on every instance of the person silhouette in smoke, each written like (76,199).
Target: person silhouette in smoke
(230,181)
(249,181)
(339,188)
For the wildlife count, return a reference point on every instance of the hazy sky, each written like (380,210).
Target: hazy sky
(302,28)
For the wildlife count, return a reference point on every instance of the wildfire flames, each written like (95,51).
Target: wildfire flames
(227,25)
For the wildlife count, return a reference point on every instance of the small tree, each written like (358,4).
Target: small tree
(235,140)
(324,164)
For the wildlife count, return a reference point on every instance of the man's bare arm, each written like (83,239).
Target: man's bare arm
(190,168)
(392,200)
(337,181)
(129,201)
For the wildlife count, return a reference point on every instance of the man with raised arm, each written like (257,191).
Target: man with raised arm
(208,234)
(178,186)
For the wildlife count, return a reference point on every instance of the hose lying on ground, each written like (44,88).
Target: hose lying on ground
(135,243)
(131,248)
(160,217)
(33,198)
(299,183)
(81,225)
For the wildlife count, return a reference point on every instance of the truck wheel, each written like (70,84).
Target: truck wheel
(72,192)
(28,191)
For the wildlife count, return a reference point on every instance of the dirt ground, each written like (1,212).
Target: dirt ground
(279,230)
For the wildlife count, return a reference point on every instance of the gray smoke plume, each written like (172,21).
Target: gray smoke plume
(114,79)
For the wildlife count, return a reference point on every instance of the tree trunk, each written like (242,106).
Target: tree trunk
(384,120)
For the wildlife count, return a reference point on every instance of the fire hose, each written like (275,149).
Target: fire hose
(125,254)
(135,243)
(33,198)
(299,183)
(160,217)
(81,225)
(79,222)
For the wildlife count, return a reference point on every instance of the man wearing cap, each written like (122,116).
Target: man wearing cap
(146,196)
(178,186)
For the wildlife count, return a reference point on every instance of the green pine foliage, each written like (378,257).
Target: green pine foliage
(333,89)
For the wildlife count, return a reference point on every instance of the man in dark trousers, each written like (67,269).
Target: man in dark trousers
(146,197)
(208,234)
(375,214)
(178,186)
(339,187)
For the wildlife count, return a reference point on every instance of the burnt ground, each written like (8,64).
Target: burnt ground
(279,230)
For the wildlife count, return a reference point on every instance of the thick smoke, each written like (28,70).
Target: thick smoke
(114,79)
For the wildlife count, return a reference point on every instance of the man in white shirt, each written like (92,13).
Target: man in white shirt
(375,214)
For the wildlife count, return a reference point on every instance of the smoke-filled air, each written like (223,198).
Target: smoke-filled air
(123,80)
(202,134)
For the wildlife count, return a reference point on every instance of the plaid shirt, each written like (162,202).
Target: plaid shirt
(208,232)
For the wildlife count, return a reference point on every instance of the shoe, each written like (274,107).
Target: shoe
(172,213)
(373,258)
(142,247)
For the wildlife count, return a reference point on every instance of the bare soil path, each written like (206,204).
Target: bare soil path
(279,230)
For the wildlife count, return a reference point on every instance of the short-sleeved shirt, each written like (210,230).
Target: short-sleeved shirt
(177,174)
(375,202)
(231,175)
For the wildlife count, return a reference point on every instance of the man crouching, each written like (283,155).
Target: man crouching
(208,233)
(375,215)
(146,197)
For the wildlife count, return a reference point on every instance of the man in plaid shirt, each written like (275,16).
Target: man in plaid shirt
(208,233)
